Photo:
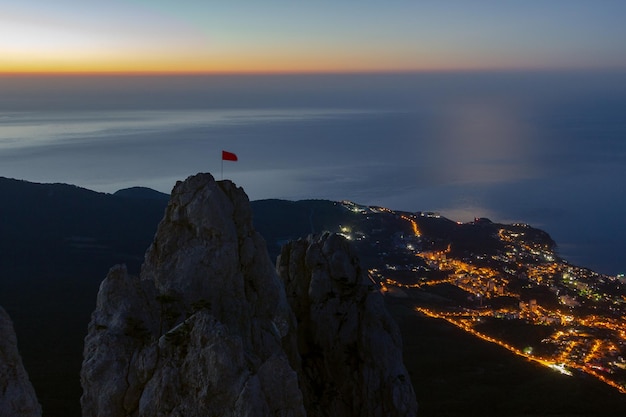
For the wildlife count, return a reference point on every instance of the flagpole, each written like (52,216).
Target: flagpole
(222,169)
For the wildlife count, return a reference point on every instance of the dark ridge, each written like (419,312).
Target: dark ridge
(57,243)
(142,193)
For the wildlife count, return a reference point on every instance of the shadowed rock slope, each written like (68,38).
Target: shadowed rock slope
(350,347)
(17,396)
(205,330)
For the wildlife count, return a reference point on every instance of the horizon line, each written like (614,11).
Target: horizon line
(157,73)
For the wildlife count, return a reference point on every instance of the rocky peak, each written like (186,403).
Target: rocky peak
(350,347)
(207,328)
(17,396)
(201,330)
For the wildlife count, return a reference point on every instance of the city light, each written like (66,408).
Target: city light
(575,314)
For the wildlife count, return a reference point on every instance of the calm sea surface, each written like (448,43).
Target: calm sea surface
(548,149)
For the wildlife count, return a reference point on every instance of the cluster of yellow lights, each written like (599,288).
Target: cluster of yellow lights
(481,280)
(414,226)
(561,365)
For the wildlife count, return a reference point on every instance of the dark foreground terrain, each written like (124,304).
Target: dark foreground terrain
(57,243)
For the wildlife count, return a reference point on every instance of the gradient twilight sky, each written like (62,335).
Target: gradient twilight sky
(314,36)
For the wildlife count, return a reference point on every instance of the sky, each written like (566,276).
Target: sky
(189,36)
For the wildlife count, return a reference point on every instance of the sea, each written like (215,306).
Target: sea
(546,148)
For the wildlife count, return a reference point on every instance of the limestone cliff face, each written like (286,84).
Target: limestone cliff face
(207,329)
(203,330)
(17,396)
(350,347)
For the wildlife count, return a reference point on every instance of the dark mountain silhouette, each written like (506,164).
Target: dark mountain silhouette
(57,242)
(142,193)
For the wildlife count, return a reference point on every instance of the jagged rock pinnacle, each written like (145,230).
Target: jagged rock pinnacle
(207,328)
(347,339)
(201,331)
(17,396)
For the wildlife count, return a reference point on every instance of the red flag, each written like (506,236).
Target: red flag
(228,156)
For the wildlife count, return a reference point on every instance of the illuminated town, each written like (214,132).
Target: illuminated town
(502,283)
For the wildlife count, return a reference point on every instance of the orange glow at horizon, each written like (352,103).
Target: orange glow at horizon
(191,64)
(194,59)
(266,60)
(235,66)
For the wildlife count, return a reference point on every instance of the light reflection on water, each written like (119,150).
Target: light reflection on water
(24,129)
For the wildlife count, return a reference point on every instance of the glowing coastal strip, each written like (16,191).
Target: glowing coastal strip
(560,367)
